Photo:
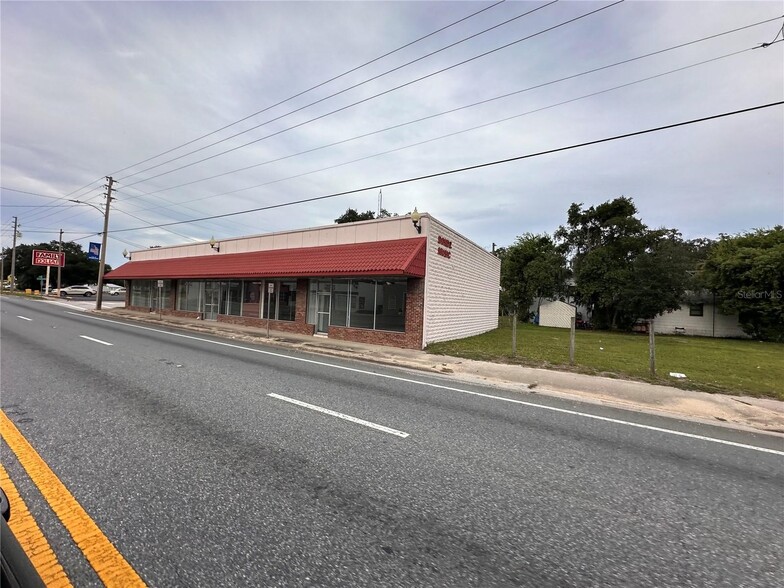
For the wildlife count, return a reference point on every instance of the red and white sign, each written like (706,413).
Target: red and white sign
(52,258)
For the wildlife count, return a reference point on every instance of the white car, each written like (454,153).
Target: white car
(80,290)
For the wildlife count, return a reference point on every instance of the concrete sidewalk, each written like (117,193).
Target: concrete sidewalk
(741,412)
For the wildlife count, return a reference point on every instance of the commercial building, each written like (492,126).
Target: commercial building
(390,281)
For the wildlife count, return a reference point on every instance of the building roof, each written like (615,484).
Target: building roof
(400,257)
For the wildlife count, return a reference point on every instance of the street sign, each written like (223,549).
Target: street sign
(51,258)
(160,283)
(94,251)
(271,287)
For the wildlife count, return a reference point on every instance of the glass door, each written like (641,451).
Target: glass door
(211,300)
(324,297)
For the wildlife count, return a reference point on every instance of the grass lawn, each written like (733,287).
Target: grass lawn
(729,366)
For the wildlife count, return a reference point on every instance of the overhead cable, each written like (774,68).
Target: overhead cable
(464,169)
(459,108)
(320,84)
(369,98)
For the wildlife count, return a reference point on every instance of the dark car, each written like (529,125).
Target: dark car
(16,569)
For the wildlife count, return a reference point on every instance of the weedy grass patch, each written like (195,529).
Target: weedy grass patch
(728,366)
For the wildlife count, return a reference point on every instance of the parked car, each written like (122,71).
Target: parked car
(80,290)
(118,291)
(113,289)
(16,569)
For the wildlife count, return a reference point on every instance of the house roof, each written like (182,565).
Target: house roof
(401,257)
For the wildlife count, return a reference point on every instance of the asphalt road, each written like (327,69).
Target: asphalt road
(175,447)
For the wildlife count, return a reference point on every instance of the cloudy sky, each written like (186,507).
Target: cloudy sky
(143,91)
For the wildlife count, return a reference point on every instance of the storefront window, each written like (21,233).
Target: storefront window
(189,295)
(160,296)
(141,293)
(251,299)
(287,300)
(391,305)
(282,304)
(231,296)
(270,301)
(339,311)
(363,303)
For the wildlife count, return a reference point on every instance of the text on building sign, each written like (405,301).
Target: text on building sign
(445,250)
(53,258)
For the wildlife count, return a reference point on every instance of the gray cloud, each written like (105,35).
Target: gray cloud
(90,88)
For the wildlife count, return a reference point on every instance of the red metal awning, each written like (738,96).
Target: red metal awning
(401,257)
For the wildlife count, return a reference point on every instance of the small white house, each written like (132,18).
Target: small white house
(698,318)
(555,313)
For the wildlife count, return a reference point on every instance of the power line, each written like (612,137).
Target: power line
(468,168)
(150,223)
(462,131)
(332,79)
(30,205)
(414,81)
(32,193)
(172,204)
(450,111)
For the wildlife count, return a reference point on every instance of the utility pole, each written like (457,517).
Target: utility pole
(59,266)
(99,295)
(651,348)
(12,277)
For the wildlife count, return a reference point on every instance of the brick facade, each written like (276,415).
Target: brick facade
(301,328)
(410,339)
(457,297)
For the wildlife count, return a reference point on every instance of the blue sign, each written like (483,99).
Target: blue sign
(94,251)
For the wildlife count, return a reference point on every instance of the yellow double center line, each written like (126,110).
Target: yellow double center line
(108,563)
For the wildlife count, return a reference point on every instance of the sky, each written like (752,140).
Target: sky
(144,91)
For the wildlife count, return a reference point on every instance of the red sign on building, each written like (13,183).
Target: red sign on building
(43,257)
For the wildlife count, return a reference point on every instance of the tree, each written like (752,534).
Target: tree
(746,272)
(660,276)
(531,268)
(624,271)
(78,269)
(352,216)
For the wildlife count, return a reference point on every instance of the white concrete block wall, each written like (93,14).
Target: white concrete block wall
(702,326)
(461,292)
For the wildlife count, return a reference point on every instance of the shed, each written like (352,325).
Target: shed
(556,314)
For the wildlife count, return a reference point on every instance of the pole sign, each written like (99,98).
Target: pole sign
(94,251)
(50,258)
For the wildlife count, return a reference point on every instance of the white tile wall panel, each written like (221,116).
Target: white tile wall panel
(461,292)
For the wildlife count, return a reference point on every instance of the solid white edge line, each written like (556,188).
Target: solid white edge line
(24,318)
(450,388)
(66,305)
(340,415)
(96,340)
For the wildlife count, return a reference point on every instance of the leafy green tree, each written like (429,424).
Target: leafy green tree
(78,269)
(660,276)
(746,272)
(352,216)
(623,270)
(532,268)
